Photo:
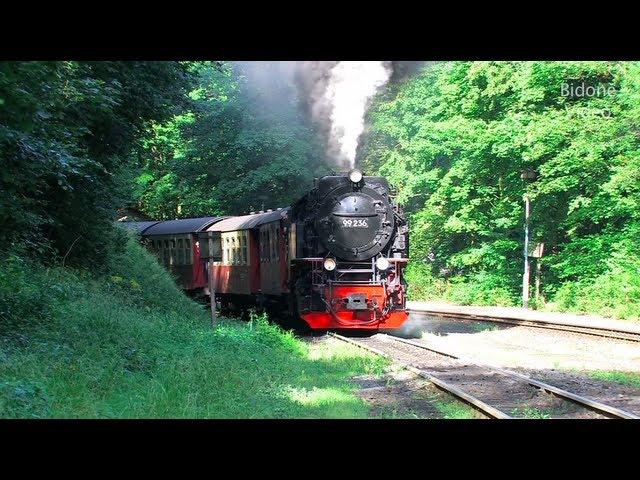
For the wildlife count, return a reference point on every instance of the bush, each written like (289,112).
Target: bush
(480,289)
(422,285)
(476,289)
(136,276)
(30,292)
(615,293)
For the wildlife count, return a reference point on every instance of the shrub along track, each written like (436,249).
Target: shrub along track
(496,392)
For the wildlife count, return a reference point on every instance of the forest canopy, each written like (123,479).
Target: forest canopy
(455,140)
(240,146)
(79,140)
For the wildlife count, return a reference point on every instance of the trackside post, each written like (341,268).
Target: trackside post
(212,293)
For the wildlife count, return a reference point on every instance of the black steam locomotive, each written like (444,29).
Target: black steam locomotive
(351,249)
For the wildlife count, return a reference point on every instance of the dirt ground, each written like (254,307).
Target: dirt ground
(509,394)
(564,359)
(527,347)
(399,393)
(402,394)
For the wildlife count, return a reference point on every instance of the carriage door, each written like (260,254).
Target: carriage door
(270,258)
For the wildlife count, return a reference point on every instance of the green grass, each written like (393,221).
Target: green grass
(625,378)
(530,413)
(130,345)
(484,327)
(455,410)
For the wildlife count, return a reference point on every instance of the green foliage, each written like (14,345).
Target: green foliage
(130,344)
(455,139)
(626,378)
(456,410)
(530,413)
(137,278)
(67,131)
(615,293)
(481,288)
(236,148)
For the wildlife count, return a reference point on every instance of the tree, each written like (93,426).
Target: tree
(455,139)
(67,132)
(236,149)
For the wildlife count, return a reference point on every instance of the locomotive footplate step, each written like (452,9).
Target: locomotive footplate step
(357,301)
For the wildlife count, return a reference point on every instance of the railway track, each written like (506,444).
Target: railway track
(565,327)
(494,391)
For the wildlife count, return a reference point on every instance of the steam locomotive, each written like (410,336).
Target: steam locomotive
(335,259)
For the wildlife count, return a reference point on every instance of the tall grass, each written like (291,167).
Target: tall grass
(130,344)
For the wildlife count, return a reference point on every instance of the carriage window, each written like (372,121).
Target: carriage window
(187,251)
(234,255)
(180,252)
(272,244)
(167,253)
(239,248)
(267,245)
(244,248)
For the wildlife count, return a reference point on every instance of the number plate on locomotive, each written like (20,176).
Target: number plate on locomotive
(355,223)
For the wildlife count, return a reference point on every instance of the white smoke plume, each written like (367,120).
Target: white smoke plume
(333,95)
(338,94)
(351,86)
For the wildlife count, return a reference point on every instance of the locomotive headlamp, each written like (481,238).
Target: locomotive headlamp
(355,175)
(382,263)
(329,264)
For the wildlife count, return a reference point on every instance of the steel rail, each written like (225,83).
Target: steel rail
(592,404)
(470,399)
(565,327)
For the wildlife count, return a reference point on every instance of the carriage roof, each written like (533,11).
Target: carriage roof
(247,222)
